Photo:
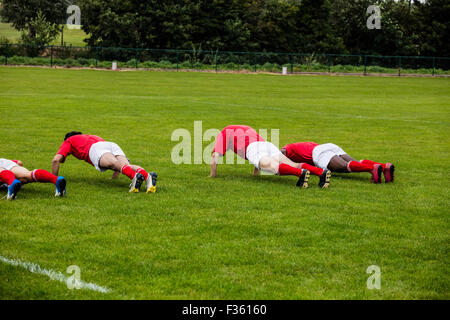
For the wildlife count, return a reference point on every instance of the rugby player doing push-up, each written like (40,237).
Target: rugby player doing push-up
(265,156)
(332,157)
(14,175)
(103,155)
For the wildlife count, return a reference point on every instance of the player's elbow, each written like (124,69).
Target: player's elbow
(57,159)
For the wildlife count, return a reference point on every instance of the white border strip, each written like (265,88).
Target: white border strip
(54,275)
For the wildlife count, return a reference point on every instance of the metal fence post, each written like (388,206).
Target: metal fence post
(292,63)
(6,54)
(329,63)
(365,64)
(51,56)
(137,58)
(217,58)
(434,65)
(177,60)
(399,65)
(255,61)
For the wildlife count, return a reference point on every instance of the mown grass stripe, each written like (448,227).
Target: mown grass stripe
(54,275)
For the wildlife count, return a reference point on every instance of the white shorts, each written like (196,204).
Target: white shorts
(7,164)
(323,153)
(99,149)
(257,150)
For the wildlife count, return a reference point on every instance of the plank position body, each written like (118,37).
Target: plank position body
(14,176)
(332,157)
(103,155)
(265,156)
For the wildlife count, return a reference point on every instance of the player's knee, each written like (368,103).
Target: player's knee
(274,165)
(265,163)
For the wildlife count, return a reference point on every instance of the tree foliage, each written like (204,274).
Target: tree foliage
(408,27)
(37,20)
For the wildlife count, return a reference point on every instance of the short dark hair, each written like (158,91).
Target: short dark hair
(70,134)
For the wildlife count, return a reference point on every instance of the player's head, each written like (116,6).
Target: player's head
(70,134)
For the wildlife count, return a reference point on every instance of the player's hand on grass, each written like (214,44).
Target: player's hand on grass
(115,175)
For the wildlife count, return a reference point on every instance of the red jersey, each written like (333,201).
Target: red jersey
(300,152)
(236,138)
(78,145)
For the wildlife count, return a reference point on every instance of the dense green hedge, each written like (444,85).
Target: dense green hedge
(164,64)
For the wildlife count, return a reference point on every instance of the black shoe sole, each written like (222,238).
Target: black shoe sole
(392,171)
(139,180)
(62,186)
(380,172)
(303,180)
(325,178)
(152,189)
(16,189)
(154,178)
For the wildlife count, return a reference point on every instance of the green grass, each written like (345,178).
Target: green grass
(236,236)
(7,31)
(72,37)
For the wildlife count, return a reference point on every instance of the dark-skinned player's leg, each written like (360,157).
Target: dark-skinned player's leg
(388,168)
(346,164)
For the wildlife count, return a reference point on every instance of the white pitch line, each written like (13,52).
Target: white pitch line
(54,275)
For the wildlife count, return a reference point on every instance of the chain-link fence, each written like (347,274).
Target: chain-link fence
(219,61)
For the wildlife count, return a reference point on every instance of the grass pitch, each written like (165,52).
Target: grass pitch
(236,236)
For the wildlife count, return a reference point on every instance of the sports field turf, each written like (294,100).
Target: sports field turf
(236,236)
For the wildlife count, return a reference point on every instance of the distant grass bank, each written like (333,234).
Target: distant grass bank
(72,37)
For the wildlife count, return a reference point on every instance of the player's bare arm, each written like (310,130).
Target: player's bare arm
(115,175)
(214,161)
(57,159)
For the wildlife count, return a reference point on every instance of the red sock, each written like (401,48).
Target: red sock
(7,177)
(373,162)
(355,166)
(314,170)
(126,170)
(143,172)
(40,175)
(287,170)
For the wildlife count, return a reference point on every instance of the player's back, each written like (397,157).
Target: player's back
(81,144)
(300,151)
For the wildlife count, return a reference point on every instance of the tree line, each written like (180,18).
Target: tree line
(407,27)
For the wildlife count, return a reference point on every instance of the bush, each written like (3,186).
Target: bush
(271,67)
(16,55)
(150,64)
